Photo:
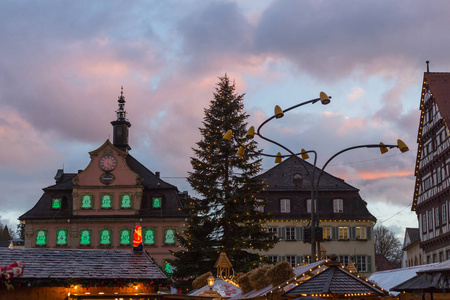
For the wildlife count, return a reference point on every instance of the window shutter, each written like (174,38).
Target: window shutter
(368,232)
(334,233)
(369,263)
(299,233)
(282,232)
(352,233)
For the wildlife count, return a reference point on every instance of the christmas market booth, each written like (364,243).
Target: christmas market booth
(326,279)
(38,273)
(432,282)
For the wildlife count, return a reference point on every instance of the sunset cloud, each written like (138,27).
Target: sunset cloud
(64,63)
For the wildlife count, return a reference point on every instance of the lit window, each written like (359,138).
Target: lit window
(105,237)
(290,234)
(361,233)
(56,203)
(125,237)
(259,205)
(168,267)
(285,205)
(85,237)
(125,201)
(41,238)
(86,201)
(149,237)
(106,201)
(326,233)
(338,205)
(169,236)
(156,202)
(61,237)
(343,233)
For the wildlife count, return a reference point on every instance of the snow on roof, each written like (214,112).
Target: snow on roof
(225,289)
(390,278)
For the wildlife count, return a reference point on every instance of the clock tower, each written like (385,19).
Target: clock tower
(121,125)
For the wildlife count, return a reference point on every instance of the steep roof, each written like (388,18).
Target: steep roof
(92,264)
(439,85)
(335,280)
(281,178)
(63,188)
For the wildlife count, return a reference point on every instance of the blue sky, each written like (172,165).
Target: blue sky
(63,62)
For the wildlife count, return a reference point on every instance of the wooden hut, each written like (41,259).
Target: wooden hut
(80,274)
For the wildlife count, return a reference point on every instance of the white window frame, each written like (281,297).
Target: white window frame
(259,205)
(343,233)
(444,213)
(291,260)
(436,217)
(273,230)
(290,234)
(362,263)
(338,205)
(326,233)
(285,205)
(361,233)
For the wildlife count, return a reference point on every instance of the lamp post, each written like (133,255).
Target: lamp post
(279,113)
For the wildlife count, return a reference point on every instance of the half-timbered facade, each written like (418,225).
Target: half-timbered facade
(432,190)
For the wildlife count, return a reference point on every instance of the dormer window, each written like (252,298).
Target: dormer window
(156,202)
(56,203)
(285,205)
(338,205)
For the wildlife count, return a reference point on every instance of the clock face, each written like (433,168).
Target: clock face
(108,163)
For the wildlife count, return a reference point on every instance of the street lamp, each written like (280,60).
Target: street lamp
(279,113)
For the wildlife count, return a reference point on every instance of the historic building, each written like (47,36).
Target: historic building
(431,197)
(346,223)
(99,207)
(412,253)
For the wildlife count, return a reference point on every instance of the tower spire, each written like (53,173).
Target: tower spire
(121,125)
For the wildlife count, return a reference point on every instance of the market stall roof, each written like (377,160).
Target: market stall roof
(390,278)
(435,279)
(48,264)
(335,280)
(304,271)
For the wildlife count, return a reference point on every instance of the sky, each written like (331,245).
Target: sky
(63,63)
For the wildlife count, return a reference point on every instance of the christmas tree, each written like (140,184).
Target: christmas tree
(227,216)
